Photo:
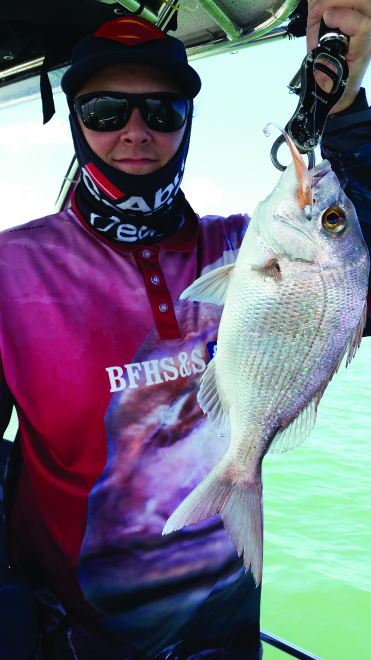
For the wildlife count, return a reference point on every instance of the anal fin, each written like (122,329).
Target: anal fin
(298,430)
(357,335)
(209,399)
(300,427)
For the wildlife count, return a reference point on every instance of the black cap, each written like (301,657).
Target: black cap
(127,40)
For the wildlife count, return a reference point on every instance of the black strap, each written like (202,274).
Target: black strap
(139,10)
(46,91)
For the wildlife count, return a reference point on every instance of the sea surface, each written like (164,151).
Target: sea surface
(317,526)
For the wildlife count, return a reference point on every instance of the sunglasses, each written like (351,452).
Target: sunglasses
(110,111)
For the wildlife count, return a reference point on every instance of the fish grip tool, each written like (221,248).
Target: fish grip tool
(307,124)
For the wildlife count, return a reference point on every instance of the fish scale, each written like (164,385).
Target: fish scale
(260,361)
(294,303)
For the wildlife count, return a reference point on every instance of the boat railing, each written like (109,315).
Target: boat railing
(287,647)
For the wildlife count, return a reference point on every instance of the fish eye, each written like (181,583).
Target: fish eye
(334,220)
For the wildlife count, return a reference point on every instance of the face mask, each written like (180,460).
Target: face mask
(128,207)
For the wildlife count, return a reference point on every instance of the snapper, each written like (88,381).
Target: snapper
(294,305)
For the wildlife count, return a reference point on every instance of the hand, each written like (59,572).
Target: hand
(353,17)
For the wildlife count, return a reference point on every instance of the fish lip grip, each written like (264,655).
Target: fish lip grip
(307,124)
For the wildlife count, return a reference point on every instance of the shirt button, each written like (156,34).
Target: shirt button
(146,254)
(155,279)
(163,308)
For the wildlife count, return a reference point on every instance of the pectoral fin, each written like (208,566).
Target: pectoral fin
(210,288)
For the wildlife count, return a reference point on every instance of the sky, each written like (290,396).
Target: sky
(228,168)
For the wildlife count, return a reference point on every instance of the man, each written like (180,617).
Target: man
(117,361)
(104,363)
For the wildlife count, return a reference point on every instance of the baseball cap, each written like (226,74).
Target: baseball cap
(126,40)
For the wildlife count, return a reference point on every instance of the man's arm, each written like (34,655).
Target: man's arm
(346,143)
(6,407)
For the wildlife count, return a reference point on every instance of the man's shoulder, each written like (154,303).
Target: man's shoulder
(37,230)
(223,223)
(221,238)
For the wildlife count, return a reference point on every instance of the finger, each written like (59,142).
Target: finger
(354,24)
(318,8)
(351,22)
(312,34)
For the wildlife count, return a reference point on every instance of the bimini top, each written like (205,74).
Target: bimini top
(39,38)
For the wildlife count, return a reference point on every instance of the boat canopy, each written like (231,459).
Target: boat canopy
(43,33)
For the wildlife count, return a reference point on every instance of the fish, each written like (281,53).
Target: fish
(294,306)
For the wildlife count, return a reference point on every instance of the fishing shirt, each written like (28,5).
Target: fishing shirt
(104,363)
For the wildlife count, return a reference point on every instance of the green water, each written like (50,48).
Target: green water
(317,527)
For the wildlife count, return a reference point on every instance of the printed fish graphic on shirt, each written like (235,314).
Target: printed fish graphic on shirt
(294,304)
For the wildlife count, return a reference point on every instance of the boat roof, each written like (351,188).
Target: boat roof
(31,31)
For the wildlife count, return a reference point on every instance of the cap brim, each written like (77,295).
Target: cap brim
(181,72)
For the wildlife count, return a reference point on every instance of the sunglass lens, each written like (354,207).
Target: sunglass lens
(165,115)
(104,113)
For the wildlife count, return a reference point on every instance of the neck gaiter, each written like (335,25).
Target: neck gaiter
(127,207)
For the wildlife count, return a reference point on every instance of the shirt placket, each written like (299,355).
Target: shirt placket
(158,293)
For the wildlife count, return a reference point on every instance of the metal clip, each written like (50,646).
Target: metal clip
(307,124)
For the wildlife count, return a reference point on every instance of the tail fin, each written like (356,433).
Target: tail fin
(239,505)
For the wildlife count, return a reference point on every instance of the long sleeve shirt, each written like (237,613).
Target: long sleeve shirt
(346,144)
